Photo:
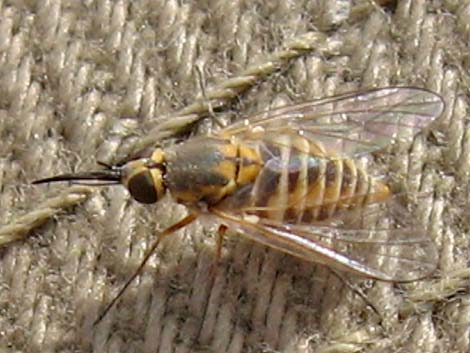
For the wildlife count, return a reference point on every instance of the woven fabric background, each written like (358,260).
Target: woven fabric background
(82,81)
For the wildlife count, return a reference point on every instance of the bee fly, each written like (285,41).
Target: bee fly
(288,178)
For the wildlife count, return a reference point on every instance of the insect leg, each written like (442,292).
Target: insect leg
(215,265)
(355,289)
(206,100)
(220,239)
(170,230)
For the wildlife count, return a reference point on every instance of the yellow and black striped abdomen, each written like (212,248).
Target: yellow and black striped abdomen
(302,182)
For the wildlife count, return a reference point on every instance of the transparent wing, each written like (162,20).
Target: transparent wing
(379,241)
(351,123)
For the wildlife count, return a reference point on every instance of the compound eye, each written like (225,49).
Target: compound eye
(142,187)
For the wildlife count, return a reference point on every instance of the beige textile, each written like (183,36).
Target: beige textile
(83,81)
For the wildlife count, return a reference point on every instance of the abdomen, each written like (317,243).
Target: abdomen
(301,182)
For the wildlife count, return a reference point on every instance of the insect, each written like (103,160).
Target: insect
(290,178)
